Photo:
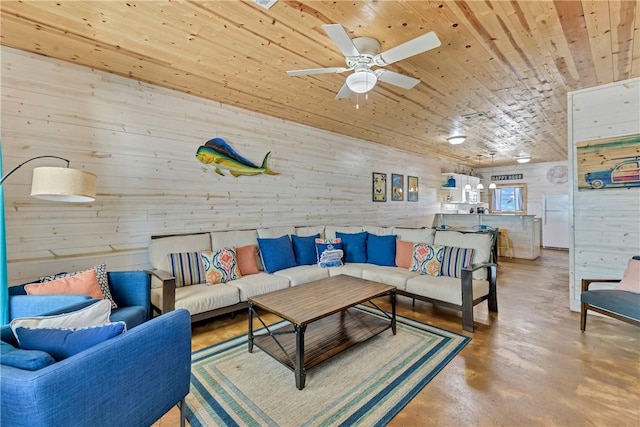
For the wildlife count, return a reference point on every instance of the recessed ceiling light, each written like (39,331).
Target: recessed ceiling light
(456,139)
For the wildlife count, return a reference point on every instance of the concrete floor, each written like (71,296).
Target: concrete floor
(527,366)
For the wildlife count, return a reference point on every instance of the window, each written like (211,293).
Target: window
(510,199)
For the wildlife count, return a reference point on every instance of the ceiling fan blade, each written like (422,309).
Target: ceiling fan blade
(396,79)
(418,45)
(316,71)
(340,37)
(344,92)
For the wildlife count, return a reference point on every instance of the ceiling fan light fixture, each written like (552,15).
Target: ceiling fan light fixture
(523,159)
(456,139)
(362,81)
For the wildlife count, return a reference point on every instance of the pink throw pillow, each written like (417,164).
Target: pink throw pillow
(631,280)
(85,283)
(404,253)
(247,260)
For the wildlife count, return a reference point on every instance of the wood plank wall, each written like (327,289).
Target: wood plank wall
(606,222)
(140,140)
(536,176)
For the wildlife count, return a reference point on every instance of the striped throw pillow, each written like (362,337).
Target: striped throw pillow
(454,260)
(187,268)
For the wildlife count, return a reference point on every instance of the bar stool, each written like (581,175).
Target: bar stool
(503,242)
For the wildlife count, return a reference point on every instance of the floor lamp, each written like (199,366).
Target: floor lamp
(61,184)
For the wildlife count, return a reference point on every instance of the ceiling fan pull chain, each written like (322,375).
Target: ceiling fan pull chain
(357,101)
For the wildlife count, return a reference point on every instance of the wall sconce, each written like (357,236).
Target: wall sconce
(456,139)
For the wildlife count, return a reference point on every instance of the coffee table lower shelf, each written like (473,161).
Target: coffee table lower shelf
(323,338)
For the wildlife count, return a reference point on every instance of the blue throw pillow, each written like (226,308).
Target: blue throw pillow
(63,343)
(29,360)
(381,250)
(354,246)
(304,249)
(277,254)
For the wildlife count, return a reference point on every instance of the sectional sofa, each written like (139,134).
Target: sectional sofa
(265,273)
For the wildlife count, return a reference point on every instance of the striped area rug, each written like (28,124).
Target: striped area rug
(366,385)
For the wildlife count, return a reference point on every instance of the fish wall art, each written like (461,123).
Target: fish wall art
(219,155)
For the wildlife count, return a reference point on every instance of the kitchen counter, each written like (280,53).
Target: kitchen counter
(524,230)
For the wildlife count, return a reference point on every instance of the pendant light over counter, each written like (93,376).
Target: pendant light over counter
(479,186)
(492,186)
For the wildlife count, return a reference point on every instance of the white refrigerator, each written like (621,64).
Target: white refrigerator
(555,221)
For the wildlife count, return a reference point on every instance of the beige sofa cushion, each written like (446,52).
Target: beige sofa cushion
(303,274)
(200,298)
(378,231)
(330,230)
(236,239)
(351,269)
(257,284)
(393,276)
(223,239)
(310,231)
(480,242)
(447,289)
(275,232)
(415,235)
(160,247)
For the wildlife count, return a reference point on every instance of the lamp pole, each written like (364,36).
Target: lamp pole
(4,278)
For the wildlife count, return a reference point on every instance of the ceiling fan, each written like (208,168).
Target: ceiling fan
(363,53)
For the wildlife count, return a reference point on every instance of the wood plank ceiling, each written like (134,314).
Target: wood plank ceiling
(512,61)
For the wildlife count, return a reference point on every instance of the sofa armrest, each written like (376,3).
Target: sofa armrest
(466,280)
(168,289)
(132,379)
(39,305)
(131,288)
(490,266)
(587,282)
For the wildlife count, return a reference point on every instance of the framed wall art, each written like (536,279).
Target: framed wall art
(397,187)
(412,188)
(379,187)
(609,163)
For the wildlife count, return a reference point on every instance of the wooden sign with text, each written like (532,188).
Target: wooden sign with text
(506,177)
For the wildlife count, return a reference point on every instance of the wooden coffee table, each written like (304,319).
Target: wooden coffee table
(323,320)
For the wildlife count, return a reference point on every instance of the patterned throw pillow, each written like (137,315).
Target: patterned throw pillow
(427,258)
(454,260)
(103,281)
(220,266)
(329,252)
(187,268)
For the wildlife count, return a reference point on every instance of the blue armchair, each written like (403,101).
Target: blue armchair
(131,291)
(132,379)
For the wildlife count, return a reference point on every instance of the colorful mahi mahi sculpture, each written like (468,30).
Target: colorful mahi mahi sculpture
(219,155)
